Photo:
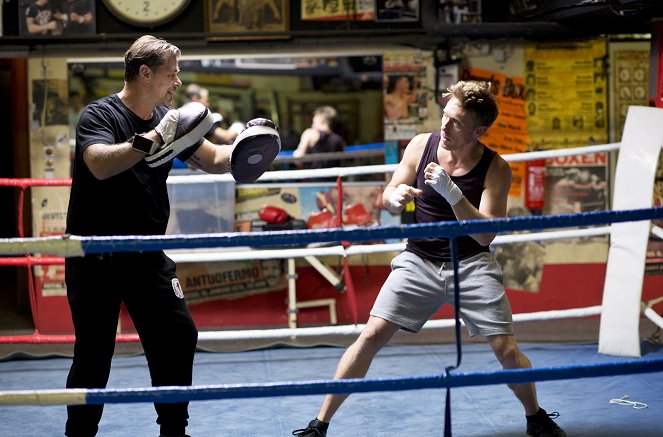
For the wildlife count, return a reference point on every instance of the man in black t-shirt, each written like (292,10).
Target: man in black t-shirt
(116,190)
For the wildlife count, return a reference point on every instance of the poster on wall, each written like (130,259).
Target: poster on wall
(629,81)
(314,205)
(405,98)
(509,133)
(56,18)
(566,94)
(337,10)
(577,184)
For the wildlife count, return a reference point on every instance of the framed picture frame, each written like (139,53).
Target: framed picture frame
(57,20)
(247,19)
(396,10)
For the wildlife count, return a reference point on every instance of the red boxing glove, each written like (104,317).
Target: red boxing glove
(356,214)
(273,215)
(321,219)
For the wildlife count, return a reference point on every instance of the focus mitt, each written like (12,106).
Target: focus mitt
(254,150)
(182,128)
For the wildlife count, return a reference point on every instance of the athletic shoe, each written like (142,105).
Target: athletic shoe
(542,425)
(315,428)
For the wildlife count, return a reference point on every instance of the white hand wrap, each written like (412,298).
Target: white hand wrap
(190,123)
(236,128)
(396,199)
(168,126)
(442,183)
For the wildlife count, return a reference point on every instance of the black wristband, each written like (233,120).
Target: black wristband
(142,144)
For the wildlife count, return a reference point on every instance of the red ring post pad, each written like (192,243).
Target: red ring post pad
(255,148)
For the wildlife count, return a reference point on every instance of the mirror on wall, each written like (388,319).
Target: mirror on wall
(285,89)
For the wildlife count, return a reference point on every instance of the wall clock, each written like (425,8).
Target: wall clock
(146,13)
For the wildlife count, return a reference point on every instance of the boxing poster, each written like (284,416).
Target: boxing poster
(576,184)
(247,16)
(312,205)
(337,10)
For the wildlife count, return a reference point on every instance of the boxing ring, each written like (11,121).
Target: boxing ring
(445,366)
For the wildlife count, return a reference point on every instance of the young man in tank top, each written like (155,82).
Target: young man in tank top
(450,175)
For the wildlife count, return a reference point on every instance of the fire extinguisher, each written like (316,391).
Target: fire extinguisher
(534,185)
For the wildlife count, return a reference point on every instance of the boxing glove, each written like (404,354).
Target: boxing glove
(273,215)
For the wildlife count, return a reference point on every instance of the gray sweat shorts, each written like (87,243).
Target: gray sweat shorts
(417,288)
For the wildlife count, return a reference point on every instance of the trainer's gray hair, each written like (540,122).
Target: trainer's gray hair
(149,50)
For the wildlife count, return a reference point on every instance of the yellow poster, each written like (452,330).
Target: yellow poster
(566,94)
(328,10)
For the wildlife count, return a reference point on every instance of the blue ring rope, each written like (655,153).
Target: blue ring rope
(101,244)
(237,391)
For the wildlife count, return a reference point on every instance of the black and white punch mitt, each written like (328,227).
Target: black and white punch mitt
(180,129)
(255,148)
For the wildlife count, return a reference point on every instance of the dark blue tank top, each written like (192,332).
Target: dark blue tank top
(431,207)
(329,142)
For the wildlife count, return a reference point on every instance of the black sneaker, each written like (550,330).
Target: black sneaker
(542,425)
(315,428)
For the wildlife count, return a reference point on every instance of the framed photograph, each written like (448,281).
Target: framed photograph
(397,10)
(247,17)
(57,18)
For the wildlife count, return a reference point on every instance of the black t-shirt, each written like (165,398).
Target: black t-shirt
(80,7)
(134,202)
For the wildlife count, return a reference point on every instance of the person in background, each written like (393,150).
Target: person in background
(450,175)
(217,134)
(321,138)
(80,17)
(43,18)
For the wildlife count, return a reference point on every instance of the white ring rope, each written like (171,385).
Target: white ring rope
(282,175)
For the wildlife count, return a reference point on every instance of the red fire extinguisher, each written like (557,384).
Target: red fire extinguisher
(534,185)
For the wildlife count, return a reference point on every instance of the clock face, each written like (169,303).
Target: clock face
(146,12)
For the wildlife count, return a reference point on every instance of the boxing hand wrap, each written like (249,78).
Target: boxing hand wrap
(442,183)
(191,123)
(397,200)
(254,150)
(168,126)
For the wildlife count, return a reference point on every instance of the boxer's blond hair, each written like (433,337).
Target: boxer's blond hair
(328,114)
(476,97)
